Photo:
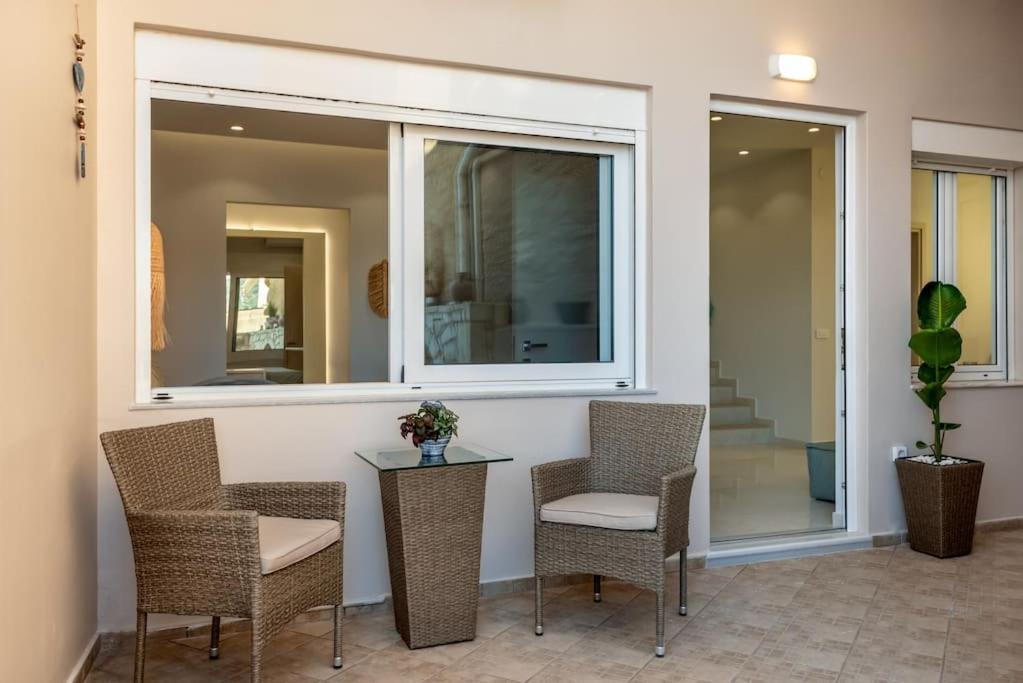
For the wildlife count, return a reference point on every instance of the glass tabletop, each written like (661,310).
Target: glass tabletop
(389,459)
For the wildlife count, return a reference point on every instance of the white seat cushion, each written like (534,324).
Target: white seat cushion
(283,541)
(624,511)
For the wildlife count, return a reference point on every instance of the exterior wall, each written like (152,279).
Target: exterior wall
(886,61)
(48,342)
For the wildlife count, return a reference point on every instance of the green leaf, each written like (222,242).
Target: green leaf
(937,348)
(949,426)
(939,305)
(929,374)
(931,395)
(921,444)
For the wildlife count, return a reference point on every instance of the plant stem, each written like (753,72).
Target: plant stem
(938,436)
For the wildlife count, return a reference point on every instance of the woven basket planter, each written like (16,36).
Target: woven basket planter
(941,505)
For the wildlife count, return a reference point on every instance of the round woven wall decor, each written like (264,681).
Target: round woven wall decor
(378,288)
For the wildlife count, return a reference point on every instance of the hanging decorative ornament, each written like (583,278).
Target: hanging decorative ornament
(78,74)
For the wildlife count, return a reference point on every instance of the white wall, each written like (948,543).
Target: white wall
(195,176)
(760,286)
(48,344)
(888,61)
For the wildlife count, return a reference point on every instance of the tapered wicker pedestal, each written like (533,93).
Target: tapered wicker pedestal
(433,519)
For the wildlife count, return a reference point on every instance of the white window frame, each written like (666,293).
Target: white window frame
(944,259)
(618,300)
(234,73)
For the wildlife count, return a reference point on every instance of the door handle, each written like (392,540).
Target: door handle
(529,345)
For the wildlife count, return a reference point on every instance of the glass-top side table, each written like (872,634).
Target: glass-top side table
(433,521)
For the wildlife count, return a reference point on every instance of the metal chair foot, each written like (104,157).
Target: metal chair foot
(596,597)
(659,650)
(683,610)
(539,630)
(337,662)
(214,653)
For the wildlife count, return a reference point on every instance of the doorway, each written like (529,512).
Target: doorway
(777,380)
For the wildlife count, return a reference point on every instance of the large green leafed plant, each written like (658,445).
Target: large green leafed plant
(939,347)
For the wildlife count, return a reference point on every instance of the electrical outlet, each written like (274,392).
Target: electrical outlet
(899,452)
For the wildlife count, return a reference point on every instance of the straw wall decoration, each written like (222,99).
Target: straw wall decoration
(158,297)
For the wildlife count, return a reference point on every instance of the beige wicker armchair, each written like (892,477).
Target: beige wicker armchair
(265,551)
(622,511)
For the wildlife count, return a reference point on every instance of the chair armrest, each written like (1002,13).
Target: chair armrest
(299,499)
(191,561)
(673,507)
(554,480)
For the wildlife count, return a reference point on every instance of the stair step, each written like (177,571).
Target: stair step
(755,431)
(734,413)
(721,392)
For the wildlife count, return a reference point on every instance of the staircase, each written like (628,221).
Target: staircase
(733,418)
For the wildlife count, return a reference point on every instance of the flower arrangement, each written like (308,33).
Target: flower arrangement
(432,422)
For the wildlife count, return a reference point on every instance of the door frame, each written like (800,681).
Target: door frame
(850,293)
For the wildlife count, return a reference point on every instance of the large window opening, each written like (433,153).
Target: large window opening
(357,248)
(281,215)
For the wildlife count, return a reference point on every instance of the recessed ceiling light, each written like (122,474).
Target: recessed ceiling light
(716,118)
(743,152)
(815,129)
(236,128)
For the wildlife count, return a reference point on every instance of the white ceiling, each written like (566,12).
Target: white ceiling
(266,124)
(763,138)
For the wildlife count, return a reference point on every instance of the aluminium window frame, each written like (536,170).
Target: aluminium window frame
(944,259)
(397,386)
(615,240)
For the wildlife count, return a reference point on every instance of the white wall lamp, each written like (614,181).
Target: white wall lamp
(793,67)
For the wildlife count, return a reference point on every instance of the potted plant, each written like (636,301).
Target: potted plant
(939,492)
(431,427)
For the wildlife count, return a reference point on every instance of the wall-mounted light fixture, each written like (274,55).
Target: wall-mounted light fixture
(793,67)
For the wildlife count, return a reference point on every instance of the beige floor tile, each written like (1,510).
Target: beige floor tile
(511,658)
(880,615)
(579,669)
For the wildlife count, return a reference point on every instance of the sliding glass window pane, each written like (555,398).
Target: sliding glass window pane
(923,242)
(975,265)
(517,255)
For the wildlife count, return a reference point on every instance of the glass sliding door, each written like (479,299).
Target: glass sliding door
(777,462)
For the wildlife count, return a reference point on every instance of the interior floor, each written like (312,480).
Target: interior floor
(763,489)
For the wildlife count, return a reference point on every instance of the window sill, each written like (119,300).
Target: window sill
(194,399)
(978,384)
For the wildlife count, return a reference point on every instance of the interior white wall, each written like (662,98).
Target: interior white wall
(760,286)
(194,178)
(870,63)
(825,335)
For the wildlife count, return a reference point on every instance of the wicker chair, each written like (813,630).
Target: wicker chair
(642,455)
(197,543)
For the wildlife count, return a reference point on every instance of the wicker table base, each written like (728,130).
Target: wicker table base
(433,519)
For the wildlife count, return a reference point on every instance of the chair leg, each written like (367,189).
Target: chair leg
(140,646)
(339,613)
(257,651)
(683,580)
(659,650)
(215,638)
(538,597)
(596,588)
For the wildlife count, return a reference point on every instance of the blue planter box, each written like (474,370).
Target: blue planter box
(820,463)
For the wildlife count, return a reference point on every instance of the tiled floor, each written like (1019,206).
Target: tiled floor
(887,614)
(761,489)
